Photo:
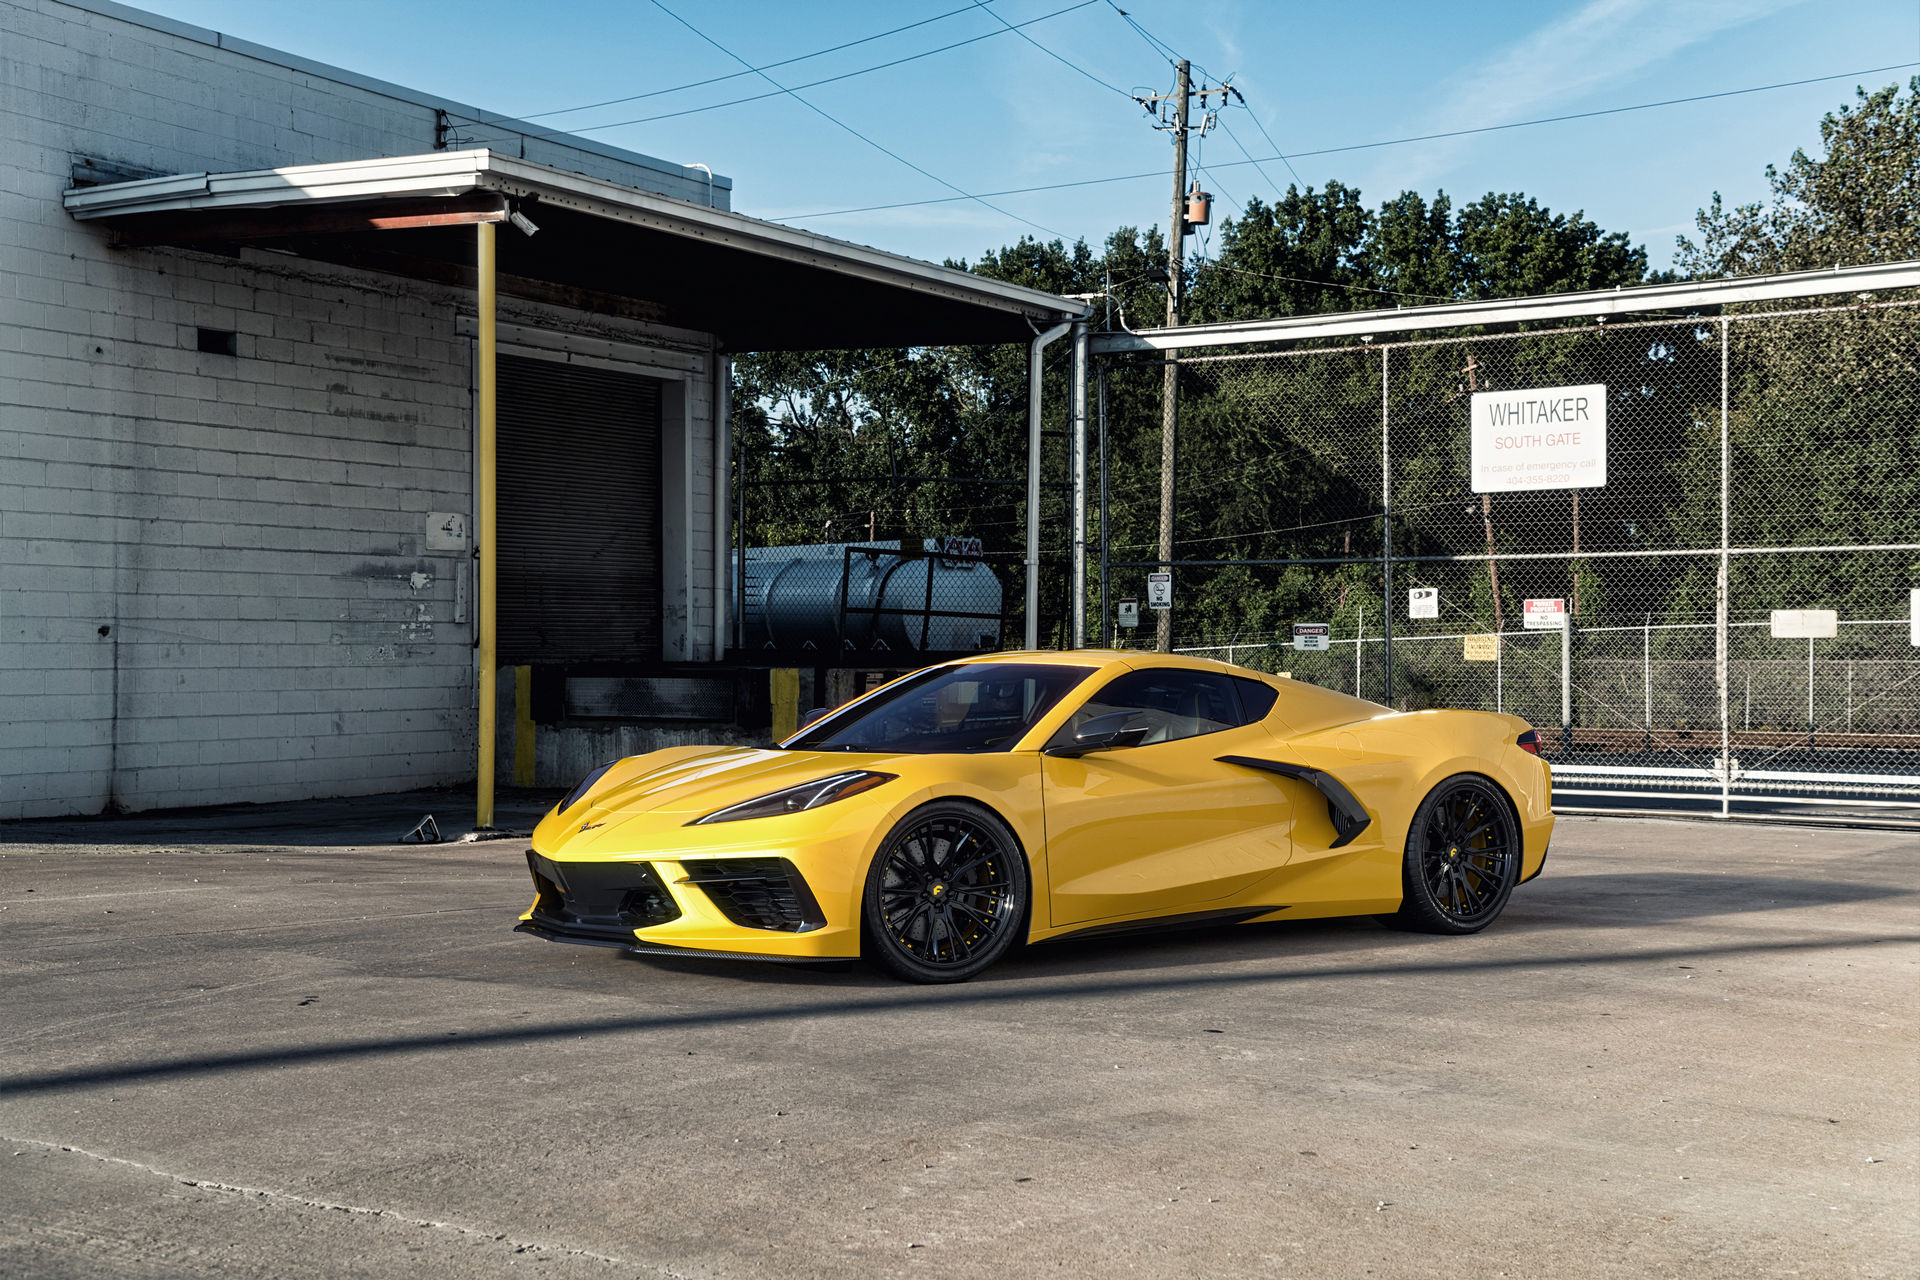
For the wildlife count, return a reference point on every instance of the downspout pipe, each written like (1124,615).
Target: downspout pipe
(487,531)
(1034,351)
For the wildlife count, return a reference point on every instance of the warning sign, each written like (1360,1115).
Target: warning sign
(1160,591)
(1546,615)
(1481,648)
(1312,637)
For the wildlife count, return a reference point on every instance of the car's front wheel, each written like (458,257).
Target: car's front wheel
(946,895)
(1463,858)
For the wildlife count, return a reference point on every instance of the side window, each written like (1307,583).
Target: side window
(1256,698)
(1174,704)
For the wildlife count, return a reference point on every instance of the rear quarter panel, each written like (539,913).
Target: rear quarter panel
(1391,761)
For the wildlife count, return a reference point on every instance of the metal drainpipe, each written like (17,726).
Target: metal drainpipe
(721,408)
(1034,350)
(487,533)
(1078,402)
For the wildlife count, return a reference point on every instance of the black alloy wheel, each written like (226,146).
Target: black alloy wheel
(1463,858)
(946,895)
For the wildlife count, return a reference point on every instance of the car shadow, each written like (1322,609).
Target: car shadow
(1628,900)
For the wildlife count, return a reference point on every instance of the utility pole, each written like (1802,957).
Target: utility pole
(1180,123)
(1170,390)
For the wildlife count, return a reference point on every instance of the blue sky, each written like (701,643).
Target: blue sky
(1001,113)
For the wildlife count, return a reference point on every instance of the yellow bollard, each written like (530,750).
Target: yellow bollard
(783,697)
(523,726)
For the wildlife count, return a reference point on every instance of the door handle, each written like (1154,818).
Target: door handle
(1349,816)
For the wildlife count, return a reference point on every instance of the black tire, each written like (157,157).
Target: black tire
(946,895)
(1463,858)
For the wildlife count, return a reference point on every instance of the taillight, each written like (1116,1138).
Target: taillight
(1529,742)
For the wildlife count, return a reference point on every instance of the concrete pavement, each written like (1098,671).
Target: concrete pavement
(238,1048)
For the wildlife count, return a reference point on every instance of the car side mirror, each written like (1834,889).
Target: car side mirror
(817,714)
(1103,733)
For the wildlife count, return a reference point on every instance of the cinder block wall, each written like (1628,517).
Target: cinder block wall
(214,579)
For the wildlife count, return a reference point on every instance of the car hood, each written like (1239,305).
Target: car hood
(674,787)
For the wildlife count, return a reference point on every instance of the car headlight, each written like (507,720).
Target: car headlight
(808,795)
(583,786)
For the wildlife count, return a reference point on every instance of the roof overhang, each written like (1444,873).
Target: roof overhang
(756,285)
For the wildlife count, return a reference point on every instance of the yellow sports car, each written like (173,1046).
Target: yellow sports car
(1022,797)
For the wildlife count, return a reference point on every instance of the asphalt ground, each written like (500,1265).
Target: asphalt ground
(272,1044)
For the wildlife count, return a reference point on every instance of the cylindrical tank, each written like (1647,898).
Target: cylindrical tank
(793,600)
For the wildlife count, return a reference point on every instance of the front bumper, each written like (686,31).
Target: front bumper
(758,907)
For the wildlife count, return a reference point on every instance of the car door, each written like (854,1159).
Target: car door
(1161,827)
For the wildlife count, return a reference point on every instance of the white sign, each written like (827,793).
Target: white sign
(1546,615)
(1805,624)
(1423,602)
(1160,591)
(1129,613)
(1543,438)
(446,531)
(1312,637)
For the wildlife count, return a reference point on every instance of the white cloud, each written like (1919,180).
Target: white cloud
(1557,65)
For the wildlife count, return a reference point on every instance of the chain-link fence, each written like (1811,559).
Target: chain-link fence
(1753,462)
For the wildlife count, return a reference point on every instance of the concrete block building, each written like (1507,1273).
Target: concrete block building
(253,312)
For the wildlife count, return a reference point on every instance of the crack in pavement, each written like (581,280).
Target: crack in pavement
(307,1202)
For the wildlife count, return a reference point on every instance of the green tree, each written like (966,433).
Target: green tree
(1858,203)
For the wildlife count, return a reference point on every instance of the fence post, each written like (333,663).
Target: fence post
(1809,693)
(1721,588)
(1386,535)
(1499,669)
(1106,582)
(1646,677)
(1566,683)
(1359,640)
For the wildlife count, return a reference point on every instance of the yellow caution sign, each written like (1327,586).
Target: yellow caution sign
(1482,648)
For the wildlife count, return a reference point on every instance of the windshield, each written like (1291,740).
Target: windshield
(983,706)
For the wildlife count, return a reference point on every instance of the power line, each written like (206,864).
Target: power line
(850,129)
(1368,146)
(1234,138)
(735,75)
(1330,284)
(1254,116)
(779,88)
(1157,45)
(1073,66)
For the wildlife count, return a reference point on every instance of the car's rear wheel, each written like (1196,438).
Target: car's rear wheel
(946,895)
(1463,858)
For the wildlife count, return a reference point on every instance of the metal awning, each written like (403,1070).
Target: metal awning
(758,286)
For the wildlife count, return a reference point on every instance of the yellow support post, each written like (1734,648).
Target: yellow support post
(523,726)
(489,692)
(783,699)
